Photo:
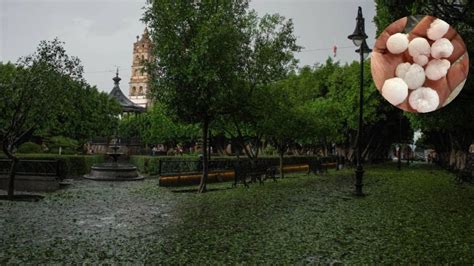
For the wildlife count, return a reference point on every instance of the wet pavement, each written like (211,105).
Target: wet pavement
(89,221)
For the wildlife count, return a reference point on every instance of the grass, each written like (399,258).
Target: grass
(417,215)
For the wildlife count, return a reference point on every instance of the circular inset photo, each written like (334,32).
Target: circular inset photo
(419,63)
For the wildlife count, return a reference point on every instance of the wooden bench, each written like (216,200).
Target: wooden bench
(315,167)
(244,171)
(318,167)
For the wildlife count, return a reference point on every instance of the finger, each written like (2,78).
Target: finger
(454,93)
(381,43)
(407,57)
(459,48)
(441,87)
(420,29)
(458,72)
(383,67)
(377,66)
(451,33)
(395,27)
(405,105)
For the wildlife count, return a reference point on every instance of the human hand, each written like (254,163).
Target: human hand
(384,63)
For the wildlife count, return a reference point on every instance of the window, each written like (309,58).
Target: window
(134,91)
(140,91)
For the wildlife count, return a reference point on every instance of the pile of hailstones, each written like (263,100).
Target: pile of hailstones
(412,76)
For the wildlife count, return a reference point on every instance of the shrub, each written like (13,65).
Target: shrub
(29,147)
(68,146)
(150,164)
(270,150)
(72,165)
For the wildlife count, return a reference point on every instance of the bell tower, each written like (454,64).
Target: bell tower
(139,78)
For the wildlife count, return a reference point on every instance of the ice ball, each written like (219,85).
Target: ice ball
(424,100)
(395,90)
(397,43)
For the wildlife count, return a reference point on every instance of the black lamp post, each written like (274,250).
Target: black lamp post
(358,37)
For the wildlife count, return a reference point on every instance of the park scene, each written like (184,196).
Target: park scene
(233,132)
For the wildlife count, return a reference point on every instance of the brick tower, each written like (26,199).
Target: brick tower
(139,78)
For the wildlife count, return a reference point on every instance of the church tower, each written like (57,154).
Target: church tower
(139,78)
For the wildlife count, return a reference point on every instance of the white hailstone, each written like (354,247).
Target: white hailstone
(437,30)
(424,99)
(421,60)
(437,68)
(419,46)
(414,77)
(441,48)
(395,90)
(402,69)
(397,43)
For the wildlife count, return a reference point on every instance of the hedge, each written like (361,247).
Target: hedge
(72,165)
(30,147)
(176,164)
(150,164)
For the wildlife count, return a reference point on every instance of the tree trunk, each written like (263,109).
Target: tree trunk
(11,177)
(209,147)
(282,175)
(399,159)
(205,161)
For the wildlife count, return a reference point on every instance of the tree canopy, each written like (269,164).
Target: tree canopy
(30,103)
(211,56)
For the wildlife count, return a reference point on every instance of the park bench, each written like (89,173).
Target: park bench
(33,175)
(315,166)
(271,173)
(258,171)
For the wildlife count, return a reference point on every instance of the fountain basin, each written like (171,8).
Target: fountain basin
(114,172)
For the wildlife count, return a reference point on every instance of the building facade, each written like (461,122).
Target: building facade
(138,89)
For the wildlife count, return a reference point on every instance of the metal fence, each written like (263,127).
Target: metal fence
(170,167)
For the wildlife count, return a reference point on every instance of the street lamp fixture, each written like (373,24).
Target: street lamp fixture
(365,50)
(359,33)
(358,37)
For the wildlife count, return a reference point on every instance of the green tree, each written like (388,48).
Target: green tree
(200,47)
(30,96)
(269,59)
(156,126)
(98,115)
(328,94)
(284,122)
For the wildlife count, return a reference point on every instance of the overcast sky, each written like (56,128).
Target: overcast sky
(101,32)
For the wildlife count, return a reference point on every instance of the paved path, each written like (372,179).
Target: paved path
(89,221)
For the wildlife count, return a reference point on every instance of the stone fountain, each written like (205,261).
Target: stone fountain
(114,171)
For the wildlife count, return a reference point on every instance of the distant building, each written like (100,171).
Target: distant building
(139,78)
